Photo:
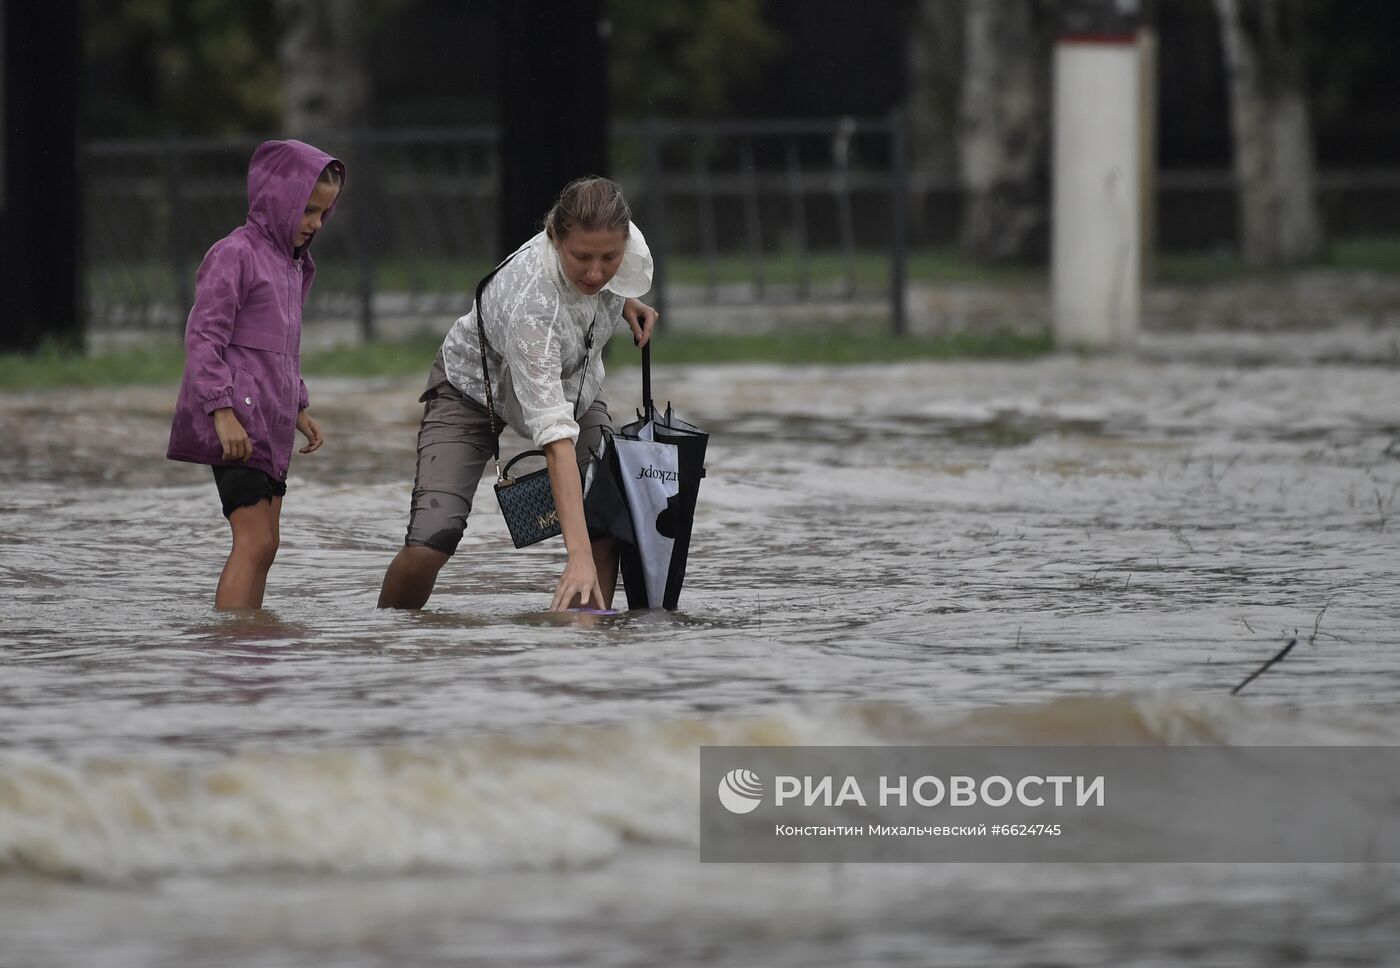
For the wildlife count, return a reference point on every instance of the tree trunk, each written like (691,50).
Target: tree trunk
(322,57)
(553,109)
(1004,130)
(40,191)
(934,58)
(1279,219)
(323,54)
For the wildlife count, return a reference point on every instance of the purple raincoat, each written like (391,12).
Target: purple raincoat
(243,336)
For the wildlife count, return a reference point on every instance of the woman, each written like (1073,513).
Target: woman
(547,312)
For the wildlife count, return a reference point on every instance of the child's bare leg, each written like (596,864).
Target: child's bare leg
(410,578)
(256,534)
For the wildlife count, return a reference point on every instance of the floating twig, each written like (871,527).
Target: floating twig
(1317,623)
(1265,667)
(1176,533)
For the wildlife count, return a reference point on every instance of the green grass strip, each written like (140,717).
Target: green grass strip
(55,367)
(163,362)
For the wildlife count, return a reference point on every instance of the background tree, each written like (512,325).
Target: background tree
(323,59)
(934,67)
(1263,42)
(1004,129)
(677,58)
(553,109)
(40,188)
(159,66)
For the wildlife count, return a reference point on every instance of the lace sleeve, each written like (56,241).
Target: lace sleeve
(531,344)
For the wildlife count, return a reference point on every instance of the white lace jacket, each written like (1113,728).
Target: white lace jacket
(537,325)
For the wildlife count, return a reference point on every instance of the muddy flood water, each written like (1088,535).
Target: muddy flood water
(1065,551)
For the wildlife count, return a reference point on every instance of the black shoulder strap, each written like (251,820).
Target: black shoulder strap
(486,370)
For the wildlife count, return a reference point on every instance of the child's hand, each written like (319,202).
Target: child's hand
(311,430)
(232,436)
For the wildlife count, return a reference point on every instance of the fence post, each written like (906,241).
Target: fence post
(899,199)
(365,200)
(753,217)
(841,192)
(656,207)
(799,218)
(705,203)
(174,237)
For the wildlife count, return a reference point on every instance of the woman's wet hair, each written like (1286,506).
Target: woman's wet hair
(590,204)
(331,175)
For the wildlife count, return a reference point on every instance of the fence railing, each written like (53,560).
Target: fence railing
(771,211)
(752,212)
(423,218)
(762,213)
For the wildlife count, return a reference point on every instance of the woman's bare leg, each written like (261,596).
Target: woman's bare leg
(605,558)
(409,581)
(256,534)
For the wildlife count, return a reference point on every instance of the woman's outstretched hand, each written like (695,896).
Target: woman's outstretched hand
(579,583)
(578,586)
(641,318)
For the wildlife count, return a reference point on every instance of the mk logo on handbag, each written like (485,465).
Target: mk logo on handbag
(547,520)
(659,474)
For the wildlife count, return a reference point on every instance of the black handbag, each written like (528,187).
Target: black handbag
(527,502)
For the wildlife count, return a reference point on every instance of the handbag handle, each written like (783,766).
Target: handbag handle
(505,474)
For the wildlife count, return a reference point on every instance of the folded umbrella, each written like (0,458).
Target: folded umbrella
(643,493)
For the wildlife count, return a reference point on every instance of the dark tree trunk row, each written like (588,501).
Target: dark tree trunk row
(553,106)
(979,77)
(40,225)
(1279,219)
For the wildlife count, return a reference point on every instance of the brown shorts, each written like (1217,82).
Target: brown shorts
(454,448)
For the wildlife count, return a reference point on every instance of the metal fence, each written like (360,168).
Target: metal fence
(423,216)
(736,212)
(752,213)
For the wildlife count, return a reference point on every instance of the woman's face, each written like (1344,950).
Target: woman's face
(591,258)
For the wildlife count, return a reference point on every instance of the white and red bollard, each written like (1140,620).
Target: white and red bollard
(1096,214)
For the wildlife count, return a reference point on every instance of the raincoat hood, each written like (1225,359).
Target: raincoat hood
(281,177)
(633,276)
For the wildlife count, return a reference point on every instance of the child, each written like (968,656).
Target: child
(242,392)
